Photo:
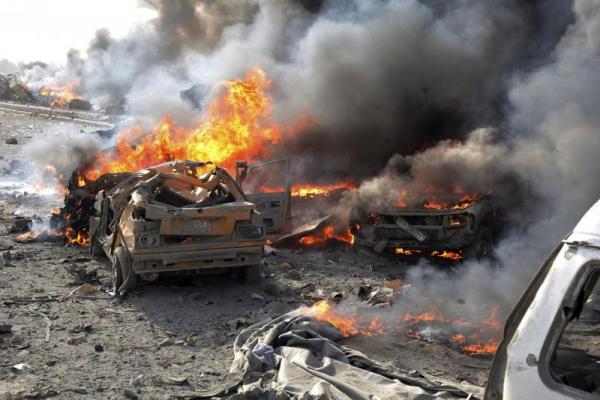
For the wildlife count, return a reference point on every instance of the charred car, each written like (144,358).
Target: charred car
(449,229)
(177,217)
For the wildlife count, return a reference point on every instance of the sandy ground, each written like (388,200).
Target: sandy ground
(167,338)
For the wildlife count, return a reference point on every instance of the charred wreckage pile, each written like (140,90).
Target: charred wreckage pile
(65,96)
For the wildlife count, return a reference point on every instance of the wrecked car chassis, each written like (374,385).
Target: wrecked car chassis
(179,217)
(468,230)
(168,240)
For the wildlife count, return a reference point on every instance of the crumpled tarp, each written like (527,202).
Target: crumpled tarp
(296,357)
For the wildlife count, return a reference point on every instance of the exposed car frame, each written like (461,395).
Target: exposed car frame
(469,230)
(149,223)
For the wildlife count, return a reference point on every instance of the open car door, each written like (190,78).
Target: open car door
(268,184)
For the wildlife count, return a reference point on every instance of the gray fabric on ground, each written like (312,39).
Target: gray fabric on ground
(296,357)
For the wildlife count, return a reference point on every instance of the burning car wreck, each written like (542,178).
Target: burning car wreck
(453,229)
(178,217)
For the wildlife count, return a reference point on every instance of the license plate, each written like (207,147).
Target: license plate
(199,226)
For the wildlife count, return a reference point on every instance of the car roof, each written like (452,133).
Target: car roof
(588,229)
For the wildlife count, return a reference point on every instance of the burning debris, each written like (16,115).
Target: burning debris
(474,338)
(180,216)
(13,89)
(62,96)
(318,233)
(440,228)
(235,126)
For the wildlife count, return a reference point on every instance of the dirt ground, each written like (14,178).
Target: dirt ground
(169,337)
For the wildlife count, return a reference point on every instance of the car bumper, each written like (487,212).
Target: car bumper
(197,259)
(455,242)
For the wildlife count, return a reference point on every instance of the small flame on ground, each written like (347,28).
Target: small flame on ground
(444,254)
(80,238)
(468,337)
(326,234)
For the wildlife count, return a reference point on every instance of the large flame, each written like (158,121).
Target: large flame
(62,93)
(479,338)
(237,125)
(438,199)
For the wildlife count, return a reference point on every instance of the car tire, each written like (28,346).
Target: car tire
(482,246)
(123,276)
(251,274)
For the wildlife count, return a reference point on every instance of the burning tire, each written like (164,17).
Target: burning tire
(123,276)
(482,247)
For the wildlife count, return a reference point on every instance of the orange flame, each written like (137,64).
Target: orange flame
(311,190)
(80,238)
(406,252)
(308,190)
(449,255)
(62,93)
(236,126)
(445,254)
(434,201)
(468,337)
(326,234)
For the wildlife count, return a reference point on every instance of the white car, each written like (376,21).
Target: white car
(551,346)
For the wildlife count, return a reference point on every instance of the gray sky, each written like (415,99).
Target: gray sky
(45,30)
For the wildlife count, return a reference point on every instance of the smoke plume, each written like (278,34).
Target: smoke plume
(480,94)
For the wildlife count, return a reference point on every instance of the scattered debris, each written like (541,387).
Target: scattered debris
(21,368)
(5,329)
(336,297)
(130,394)
(4,257)
(79,104)
(176,380)
(137,381)
(47,325)
(395,284)
(381,295)
(75,340)
(273,288)
(294,275)
(256,296)
(364,291)
(82,274)
(82,327)
(13,89)
(269,251)
(84,290)
(16,339)
(20,224)
(32,299)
